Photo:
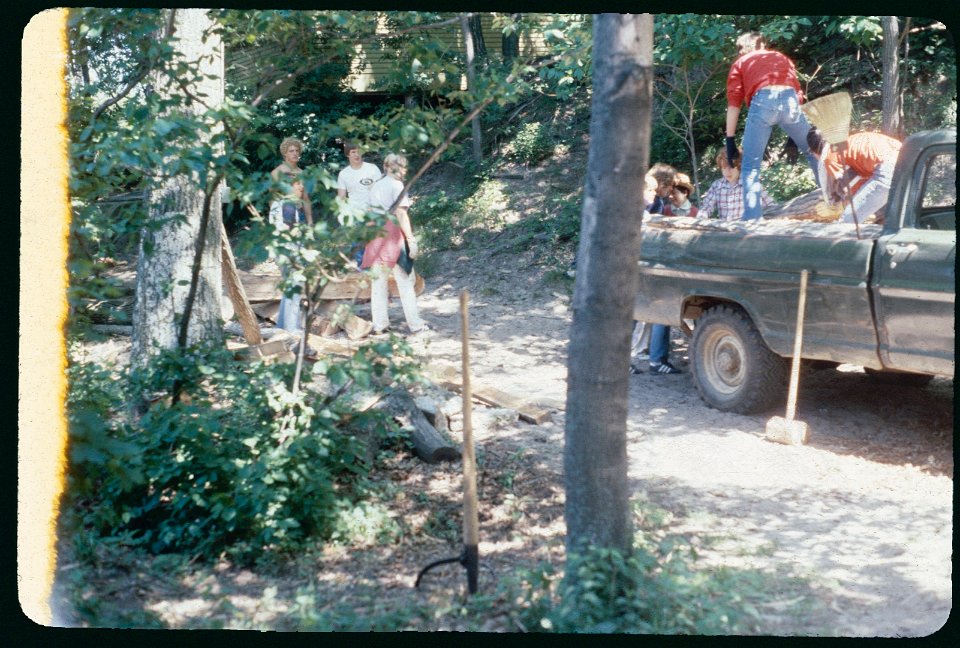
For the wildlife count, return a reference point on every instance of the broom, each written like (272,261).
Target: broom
(831,115)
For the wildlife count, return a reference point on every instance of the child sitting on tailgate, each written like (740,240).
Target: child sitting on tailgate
(663,174)
(679,200)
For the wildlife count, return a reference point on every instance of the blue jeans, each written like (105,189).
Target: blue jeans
(872,195)
(769,108)
(659,343)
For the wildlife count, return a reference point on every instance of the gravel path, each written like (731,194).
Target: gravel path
(863,512)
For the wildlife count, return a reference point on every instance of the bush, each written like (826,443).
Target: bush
(532,144)
(656,589)
(784,181)
(242,466)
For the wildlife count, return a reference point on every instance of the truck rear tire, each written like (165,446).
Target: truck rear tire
(733,368)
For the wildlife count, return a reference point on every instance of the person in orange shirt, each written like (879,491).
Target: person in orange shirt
(868,158)
(766,81)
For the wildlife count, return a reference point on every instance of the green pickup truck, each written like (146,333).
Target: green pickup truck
(884,301)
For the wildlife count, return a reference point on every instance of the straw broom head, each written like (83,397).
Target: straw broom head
(831,115)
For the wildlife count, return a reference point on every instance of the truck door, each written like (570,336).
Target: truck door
(914,271)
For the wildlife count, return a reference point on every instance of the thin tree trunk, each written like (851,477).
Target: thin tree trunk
(168,252)
(510,43)
(597,507)
(890,91)
(469,49)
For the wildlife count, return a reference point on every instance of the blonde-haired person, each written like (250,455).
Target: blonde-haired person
(292,203)
(291,207)
(381,254)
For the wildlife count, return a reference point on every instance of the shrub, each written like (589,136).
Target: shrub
(784,181)
(243,466)
(656,589)
(532,144)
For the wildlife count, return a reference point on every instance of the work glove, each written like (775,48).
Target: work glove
(412,247)
(732,153)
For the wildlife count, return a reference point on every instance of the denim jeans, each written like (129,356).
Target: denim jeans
(768,108)
(659,343)
(872,195)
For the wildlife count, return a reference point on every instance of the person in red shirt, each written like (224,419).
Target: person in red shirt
(766,81)
(867,158)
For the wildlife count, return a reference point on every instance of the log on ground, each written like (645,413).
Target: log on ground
(428,444)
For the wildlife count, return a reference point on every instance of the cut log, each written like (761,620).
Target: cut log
(801,208)
(333,315)
(238,296)
(268,310)
(428,444)
(262,287)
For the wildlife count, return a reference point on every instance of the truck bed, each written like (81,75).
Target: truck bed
(758,263)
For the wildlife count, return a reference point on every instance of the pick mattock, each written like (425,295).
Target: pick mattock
(831,115)
(470,557)
(786,429)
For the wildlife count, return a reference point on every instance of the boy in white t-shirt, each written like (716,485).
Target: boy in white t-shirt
(354,182)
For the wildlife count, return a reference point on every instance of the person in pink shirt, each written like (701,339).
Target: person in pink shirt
(766,82)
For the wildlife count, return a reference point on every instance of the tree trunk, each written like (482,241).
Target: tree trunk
(167,252)
(469,46)
(510,43)
(597,509)
(890,91)
(476,30)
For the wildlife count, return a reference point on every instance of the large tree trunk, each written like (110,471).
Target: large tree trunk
(476,31)
(167,253)
(890,91)
(597,507)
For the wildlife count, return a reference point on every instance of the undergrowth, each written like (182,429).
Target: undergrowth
(241,465)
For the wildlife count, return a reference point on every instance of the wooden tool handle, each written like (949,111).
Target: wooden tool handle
(470,532)
(797,346)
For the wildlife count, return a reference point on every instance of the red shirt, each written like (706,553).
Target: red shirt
(863,153)
(757,69)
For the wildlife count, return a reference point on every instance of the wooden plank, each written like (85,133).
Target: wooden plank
(449,378)
(261,287)
(238,296)
(274,350)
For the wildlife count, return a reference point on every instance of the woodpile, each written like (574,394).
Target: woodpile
(808,207)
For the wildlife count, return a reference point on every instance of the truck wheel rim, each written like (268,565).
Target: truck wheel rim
(724,364)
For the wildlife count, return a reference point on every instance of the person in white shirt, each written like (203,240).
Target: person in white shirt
(382,253)
(354,182)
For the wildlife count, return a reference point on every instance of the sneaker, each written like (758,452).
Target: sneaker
(384,331)
(663,368)
(423,329)
(644,354)
(635,369)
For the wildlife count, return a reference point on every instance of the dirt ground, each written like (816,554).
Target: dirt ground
(861,516)
(863,510)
